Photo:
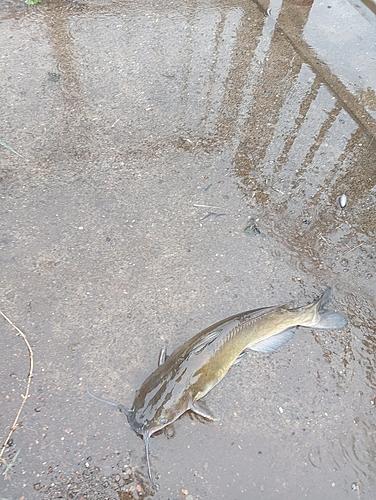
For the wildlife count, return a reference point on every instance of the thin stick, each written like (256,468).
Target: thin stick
(322,237)
(351,249)
(115,122)
(29,377)
(11,463)
(207,206)
(9,148)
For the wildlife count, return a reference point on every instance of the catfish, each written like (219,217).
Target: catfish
(193,369)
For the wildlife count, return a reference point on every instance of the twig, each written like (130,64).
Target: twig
(322,237)
(5,145)
(29,377)
(206,206)
(351,249)
(115,122)
(11,463)
(210,214)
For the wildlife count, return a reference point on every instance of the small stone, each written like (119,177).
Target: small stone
(342,200)
(53,77)
(251,229)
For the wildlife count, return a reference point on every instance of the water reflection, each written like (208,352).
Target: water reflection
(204,34)
(358,447)
(226,40)
(229,78)
(352,32)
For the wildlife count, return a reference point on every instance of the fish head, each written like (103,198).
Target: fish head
(145,420)
(151,418)
(160,400)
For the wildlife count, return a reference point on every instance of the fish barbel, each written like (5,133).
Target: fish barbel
(194,368)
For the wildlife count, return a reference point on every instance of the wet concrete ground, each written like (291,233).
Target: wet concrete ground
(181,162)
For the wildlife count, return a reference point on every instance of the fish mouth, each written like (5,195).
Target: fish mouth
(138,425)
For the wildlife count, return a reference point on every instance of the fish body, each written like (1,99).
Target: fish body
(194,368)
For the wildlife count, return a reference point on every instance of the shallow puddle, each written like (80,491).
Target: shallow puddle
(182,162)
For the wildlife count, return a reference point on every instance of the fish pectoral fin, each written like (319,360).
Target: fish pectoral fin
(208,339)
(274,342)
(201,409)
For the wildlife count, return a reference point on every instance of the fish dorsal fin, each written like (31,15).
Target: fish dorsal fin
(273,343)
(205,341)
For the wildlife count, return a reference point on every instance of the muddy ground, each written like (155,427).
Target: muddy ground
(182,162)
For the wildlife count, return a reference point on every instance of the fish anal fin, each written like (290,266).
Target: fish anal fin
(274,342)
(240,357)
(201,409)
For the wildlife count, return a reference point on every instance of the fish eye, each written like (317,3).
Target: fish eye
(163,421)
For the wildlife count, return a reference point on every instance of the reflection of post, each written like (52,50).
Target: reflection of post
(294,15)
(204,30)
(303,3)
(213,41)
(226,42)
(274,72)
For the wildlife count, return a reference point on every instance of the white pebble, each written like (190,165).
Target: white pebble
(342,200)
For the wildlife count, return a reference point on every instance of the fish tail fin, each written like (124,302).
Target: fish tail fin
(322,318)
